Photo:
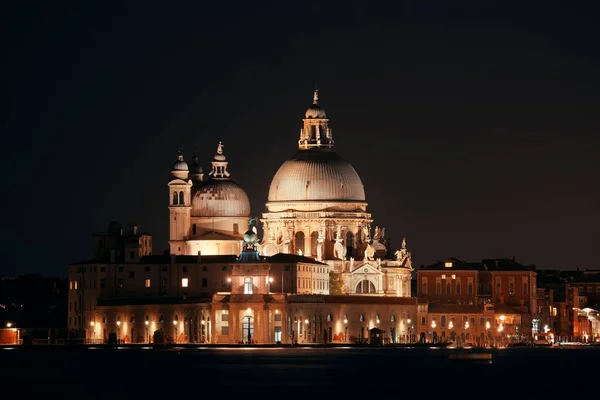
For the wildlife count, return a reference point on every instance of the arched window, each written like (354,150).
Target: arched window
(438,288)
(443,321)
(299,242)
(175,198)
(181,198)
(313,243)
(470,288)
(448,289)
(497,287)
(511,288)
(365,286)
(329,318)
(457,287)
(525,287)
(424,288)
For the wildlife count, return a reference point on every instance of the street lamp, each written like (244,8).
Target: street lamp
(9,324)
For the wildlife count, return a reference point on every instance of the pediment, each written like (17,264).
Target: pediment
(366,269)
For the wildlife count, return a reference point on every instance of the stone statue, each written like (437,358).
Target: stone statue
(377,235)
(382,233)
(220,148)
(320,240)
(339,250)
(403,243)
(299,252)
(338,232)
(351,263)
(366,232)
(369,252)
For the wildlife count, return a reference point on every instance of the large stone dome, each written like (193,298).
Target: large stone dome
(316,175)
(220,198)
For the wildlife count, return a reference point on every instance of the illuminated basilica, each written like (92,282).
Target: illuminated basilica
(320,273)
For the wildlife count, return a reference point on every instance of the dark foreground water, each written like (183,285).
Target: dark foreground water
(516,373)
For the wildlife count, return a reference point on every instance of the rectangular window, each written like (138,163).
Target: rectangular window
(248,286)
(277,317)
(224,330)
(147,282)
(204,282)
(224,317)
(184,282)
(236,228)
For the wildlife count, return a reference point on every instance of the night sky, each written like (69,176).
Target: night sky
(473,125)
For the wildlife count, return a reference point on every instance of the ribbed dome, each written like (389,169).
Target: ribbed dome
(315,111)
(220,198)
(316,175)
(180,165)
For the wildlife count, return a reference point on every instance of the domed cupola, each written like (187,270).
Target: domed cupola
(196,173)
(315,110)
(180,167)
(315,133)
(220,196)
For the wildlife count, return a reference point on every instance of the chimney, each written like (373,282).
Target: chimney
(199,256)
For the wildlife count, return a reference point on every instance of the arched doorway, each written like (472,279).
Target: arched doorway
(299,242)
(248,329)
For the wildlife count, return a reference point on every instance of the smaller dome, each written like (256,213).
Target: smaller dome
(180,165)
(315,111)
(195,167)
(250,237)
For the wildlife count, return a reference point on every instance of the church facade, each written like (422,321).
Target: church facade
(320,273)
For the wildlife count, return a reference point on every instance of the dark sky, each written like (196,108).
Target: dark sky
(473,125)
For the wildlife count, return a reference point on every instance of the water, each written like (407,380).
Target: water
(145,373)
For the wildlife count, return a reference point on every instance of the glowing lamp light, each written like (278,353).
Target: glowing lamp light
(248,310)
(487,325)
(345,321)
(146,322)
(270,279)
(450,325)
(119,323)
(92,323)
(502,318)
(229,280)
(408,321)
(203,322)
(9,324)
(433,324)
(467,325)
(306,321)
(174,322)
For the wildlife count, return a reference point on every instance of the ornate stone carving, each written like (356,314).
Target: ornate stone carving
(369,252)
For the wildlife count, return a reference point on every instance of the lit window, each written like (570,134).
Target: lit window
(147,282)
(184,282)
(453,276)
(248,286)
(448,264)
(443,276)
(76,285)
